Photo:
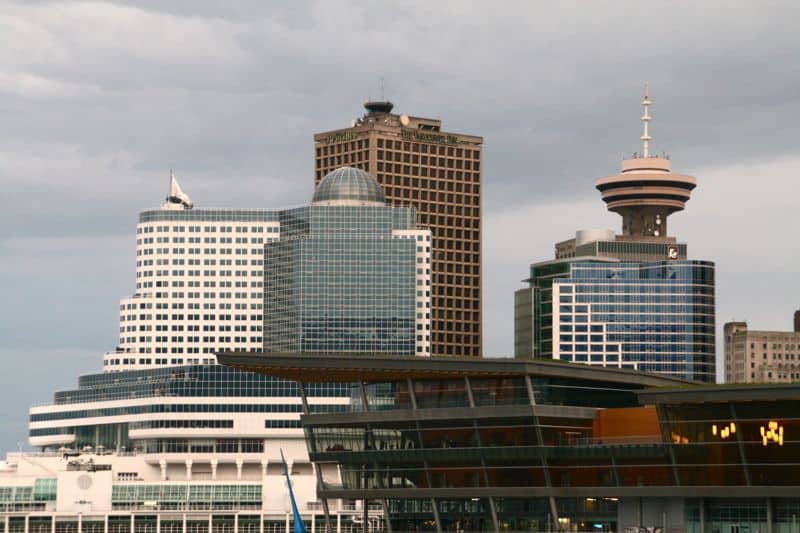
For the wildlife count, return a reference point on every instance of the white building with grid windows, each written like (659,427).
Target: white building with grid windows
(199,286)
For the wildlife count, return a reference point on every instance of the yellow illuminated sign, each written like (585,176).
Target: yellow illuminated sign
(725,431)
(772,433)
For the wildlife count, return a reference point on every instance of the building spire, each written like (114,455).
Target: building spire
(646,122)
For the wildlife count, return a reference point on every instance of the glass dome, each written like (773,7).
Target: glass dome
(348,186)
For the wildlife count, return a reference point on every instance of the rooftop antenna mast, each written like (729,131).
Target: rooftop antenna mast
(646,122)
(383,96)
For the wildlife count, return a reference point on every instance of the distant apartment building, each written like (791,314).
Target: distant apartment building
(439,173)
(757,356)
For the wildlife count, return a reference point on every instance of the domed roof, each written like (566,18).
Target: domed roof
(348,186)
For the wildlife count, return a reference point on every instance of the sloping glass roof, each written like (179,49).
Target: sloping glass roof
(349,186)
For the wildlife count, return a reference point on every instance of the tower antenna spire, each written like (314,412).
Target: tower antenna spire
(383,96)
(646,122)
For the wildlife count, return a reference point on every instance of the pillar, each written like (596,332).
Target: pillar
(132,524)
(209,522)
(236,523)
(183,525)
(769,515)
(188,469)
(105,524)
(702,515)
(28,523)
(163,464)
(158,522)
(385,505)
(287,523)
(214,464)
(239,465)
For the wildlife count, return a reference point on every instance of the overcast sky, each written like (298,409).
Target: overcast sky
(99,100)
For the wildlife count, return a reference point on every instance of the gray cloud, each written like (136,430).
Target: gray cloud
(100,99)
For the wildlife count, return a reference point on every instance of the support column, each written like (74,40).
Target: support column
(158,522)
(385,504)
(639,513)
(287,523)
(413,396)
(188,469)
(365,515)
(183,529)
(239,466)
(214,463)
(540,438)
(702,515)
(28,523)
(163,464)
(52,524)
(210,526)
(133,516)
(769,515)
(105,523)
(477,435)
(236,523)
(312,448)
(740,444)
(667,437)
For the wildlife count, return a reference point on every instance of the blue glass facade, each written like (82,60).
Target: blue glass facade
(651,316)
(342,280)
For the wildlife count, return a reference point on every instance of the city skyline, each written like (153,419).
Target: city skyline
(89,145)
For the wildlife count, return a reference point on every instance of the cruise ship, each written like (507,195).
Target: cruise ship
(164,439)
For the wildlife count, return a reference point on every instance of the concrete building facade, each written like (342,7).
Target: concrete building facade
(757,356)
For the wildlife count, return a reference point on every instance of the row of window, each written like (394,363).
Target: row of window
(187,408)
(425,148)
(208,229)
(196,262)
(182,424)
(205,240)
(197,251)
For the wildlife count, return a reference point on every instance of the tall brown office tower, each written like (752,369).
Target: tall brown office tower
(439,173)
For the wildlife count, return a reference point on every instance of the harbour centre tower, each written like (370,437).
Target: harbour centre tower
(632,300)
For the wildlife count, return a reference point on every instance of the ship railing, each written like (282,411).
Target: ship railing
(16,455)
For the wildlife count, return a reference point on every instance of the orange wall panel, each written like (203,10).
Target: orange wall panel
(630,424)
